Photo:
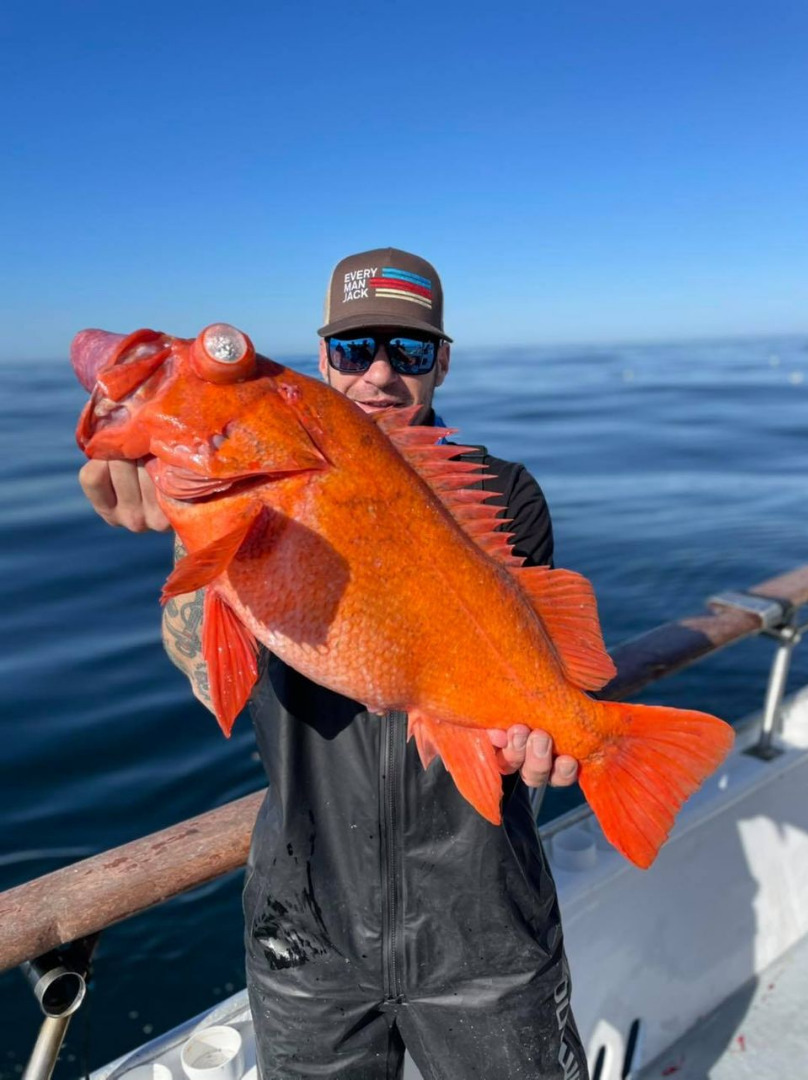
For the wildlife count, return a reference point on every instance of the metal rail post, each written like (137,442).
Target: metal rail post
(59,981)
(46,1048)
(788,637)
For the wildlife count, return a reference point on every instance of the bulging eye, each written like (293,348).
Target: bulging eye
(223,354)
(224,343)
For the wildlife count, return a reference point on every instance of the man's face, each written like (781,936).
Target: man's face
(381,387)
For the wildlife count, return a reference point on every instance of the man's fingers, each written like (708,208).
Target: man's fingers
(510,747)
(129,507)
(531,754)
(498,737)
(154,516)
(97,486)
(565,771)
(538,759)
(122,493)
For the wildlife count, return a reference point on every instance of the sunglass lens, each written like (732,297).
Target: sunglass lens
(411,355)
(351,355)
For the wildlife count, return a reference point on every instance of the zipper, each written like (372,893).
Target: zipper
(391,806)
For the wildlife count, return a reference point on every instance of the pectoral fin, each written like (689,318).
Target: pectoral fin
(202,567)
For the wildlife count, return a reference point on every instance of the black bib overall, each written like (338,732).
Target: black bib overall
(381,910)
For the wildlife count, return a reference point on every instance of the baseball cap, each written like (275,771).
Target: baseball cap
(384,287)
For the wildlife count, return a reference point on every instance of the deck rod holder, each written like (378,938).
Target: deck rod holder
(779,621)
(59,981)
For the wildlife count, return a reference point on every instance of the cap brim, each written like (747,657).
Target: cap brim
(356,322)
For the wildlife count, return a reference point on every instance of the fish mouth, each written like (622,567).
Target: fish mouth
(113,367)
(92,351)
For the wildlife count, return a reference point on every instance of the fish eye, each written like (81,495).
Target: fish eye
(224,343)
(223,354)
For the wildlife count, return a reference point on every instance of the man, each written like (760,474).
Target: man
(381,909)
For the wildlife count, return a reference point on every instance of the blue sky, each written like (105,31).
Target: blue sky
(577,171)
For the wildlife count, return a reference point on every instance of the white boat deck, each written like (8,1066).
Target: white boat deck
(654,952)
(758,1033)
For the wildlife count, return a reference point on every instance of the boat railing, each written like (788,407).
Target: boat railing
(50,924)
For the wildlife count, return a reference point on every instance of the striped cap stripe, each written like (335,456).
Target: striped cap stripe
(397,294)
(405,275)
(406,286)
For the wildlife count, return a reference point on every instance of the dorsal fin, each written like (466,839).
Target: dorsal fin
(449,479)
(565,603)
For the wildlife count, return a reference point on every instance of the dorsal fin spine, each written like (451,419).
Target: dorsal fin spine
(449,478)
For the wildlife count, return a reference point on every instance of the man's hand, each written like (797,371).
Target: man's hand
(531,754)
(122,493)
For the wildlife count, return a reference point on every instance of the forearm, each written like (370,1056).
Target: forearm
(182,636)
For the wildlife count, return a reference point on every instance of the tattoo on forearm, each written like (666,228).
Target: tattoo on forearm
(182,634)
(200,681)
(184,625)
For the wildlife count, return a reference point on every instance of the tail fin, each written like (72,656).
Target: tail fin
(655,761)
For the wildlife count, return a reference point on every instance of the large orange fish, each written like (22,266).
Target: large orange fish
(354,549)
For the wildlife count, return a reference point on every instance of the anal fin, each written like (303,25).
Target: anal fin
(469,757)
(418,728)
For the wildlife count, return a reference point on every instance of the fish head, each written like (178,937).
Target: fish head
(209,409)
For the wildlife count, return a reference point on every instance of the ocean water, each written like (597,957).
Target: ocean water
(672,472)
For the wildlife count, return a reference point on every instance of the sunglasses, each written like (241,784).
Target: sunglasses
(408,355)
